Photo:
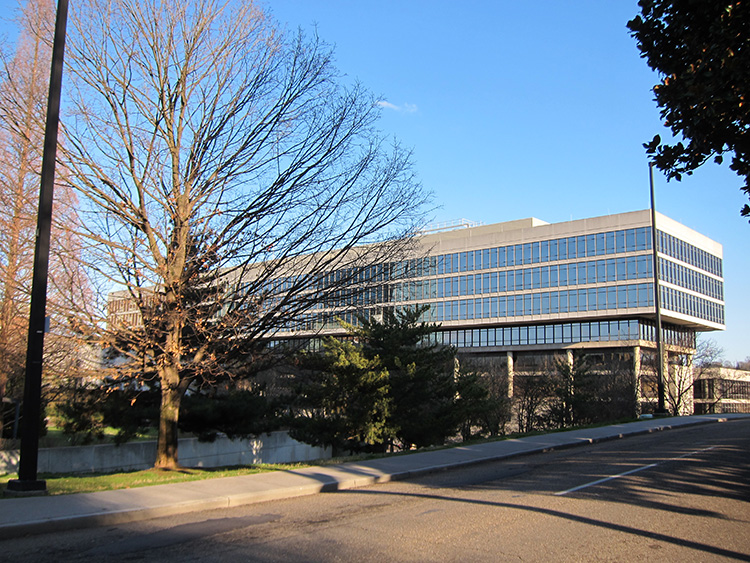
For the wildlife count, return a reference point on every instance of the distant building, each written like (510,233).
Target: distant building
(718,390)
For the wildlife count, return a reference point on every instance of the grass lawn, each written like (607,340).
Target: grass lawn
(63,484)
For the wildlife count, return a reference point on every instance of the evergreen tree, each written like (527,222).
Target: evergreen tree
(343,401)
(422,383)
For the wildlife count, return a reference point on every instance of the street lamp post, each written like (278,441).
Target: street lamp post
(661,407)
(27,473)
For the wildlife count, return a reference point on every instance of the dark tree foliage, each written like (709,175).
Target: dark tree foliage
(701,49)
(482,403)
(531,395)
(86,412)
(584,393)
(236,413)
(422,383)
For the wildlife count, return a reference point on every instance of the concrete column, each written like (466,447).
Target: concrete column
(509,356)
(569,358)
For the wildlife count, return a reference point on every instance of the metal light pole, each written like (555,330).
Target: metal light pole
(660,409)
(27,473)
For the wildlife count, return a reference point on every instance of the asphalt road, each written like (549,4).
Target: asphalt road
(682,495)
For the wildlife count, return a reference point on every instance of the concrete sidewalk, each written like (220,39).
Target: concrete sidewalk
(33,515)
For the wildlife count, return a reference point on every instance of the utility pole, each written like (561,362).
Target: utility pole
(27,481)
(661,408)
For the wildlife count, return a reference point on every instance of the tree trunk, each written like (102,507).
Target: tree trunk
(171,396)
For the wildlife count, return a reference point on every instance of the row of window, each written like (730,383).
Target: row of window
(625,330)
(687,304)
(563,333)
(688,278)
(544,303)
(541,303)
(684,252)
(569,248)
(562,275)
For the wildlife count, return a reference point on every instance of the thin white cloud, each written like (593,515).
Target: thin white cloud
(406,108)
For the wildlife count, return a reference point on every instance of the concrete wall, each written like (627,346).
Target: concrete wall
(276,447)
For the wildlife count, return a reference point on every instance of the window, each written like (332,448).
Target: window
(572,270)
(582,300)
(611,270)
(620,241)
(610,244)
(611,297)
(632,296)
(544,250)
(591,305)
(527,253)
(573,301)
(630,240)
(590,246)
(622,269)
(601,271)
(622,297)
(601,298)
(642,242)
(632,268)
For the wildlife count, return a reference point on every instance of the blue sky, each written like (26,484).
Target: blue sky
(519,109)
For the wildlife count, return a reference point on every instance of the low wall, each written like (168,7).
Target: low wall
(276,447)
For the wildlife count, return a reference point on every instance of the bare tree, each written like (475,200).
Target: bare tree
(23,106)
(231,183)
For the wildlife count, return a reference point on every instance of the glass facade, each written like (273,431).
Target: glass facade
(609,271)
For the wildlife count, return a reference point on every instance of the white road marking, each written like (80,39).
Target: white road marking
(636,470)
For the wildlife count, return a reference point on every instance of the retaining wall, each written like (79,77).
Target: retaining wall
(276,447)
